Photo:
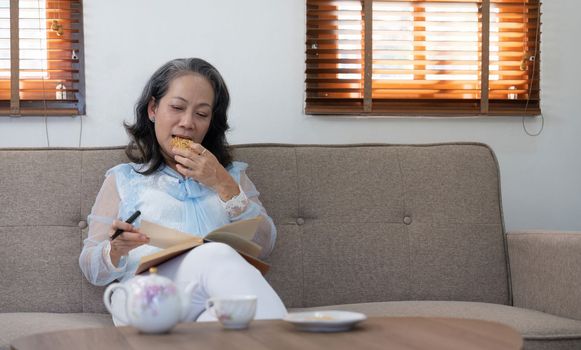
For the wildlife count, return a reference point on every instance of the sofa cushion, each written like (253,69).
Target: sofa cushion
(16,325)
(539,330)
(40,188)
(39,268)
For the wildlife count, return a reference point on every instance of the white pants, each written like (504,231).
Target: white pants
(219,271)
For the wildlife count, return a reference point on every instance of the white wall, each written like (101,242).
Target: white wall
(258,46)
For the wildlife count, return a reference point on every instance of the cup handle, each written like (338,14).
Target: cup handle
(107,300)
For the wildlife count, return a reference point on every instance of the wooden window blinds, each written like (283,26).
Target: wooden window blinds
(423,58)
(41,58)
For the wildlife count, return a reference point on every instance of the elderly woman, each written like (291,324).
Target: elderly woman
(194,188)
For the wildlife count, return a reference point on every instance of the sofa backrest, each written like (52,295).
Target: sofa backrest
(356,223)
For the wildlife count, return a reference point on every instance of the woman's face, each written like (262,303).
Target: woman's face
(184,111)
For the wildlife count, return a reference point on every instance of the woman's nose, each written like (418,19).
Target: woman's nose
(187,121)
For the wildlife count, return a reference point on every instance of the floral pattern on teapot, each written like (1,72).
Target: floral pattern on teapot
(149,297)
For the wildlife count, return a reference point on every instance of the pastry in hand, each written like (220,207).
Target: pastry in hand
(181,143)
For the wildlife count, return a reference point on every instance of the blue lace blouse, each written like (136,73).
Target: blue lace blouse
(166,198)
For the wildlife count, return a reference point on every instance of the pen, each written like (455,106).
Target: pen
(129,221)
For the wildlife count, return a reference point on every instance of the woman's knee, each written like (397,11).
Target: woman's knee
(213,257)
(216,250)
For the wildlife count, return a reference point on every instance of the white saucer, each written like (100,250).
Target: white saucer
(325,321)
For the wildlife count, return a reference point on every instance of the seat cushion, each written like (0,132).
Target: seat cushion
(16,325)
(539,330)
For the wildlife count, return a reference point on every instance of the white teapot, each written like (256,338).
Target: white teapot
(153,304)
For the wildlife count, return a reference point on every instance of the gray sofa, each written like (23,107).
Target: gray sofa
(381,229)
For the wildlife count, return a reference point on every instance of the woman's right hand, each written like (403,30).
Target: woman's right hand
(130,239)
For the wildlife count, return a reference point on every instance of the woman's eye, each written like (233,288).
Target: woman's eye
(203,115)
(177,108)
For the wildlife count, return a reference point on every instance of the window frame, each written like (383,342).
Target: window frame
(64,66)
(366,105)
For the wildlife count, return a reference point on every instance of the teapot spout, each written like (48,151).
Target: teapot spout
(186,297)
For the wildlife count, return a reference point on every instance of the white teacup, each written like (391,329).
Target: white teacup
(234,312)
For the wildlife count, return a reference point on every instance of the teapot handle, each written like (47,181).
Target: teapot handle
(107,299)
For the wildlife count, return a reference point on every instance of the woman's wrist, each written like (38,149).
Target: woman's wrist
(228,189)
(232,196)
(114,258)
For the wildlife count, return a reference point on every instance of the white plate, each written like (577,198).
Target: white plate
(325,321)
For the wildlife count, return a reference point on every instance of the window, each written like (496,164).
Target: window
(430,57)
(41,58)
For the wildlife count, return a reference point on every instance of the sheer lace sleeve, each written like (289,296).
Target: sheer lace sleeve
(95,261)
(246,206)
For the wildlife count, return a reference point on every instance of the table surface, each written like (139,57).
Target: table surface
(374,333)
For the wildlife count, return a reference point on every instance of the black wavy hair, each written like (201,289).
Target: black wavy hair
(143,147)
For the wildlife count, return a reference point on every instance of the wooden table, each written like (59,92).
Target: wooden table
(374,333)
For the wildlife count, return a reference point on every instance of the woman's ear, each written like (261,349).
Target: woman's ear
(151,109)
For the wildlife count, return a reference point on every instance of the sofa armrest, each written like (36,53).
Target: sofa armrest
(545,271)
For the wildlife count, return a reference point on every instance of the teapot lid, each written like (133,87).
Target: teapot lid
(153,283)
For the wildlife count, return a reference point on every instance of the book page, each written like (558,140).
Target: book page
(243,228)
(164,237)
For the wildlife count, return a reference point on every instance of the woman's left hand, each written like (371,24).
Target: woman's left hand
(202,166)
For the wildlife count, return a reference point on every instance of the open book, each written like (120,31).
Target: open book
(238,235)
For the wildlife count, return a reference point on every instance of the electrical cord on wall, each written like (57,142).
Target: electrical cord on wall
(538,132)
(80,130)
(533,76)
(46,130)
(43,75)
